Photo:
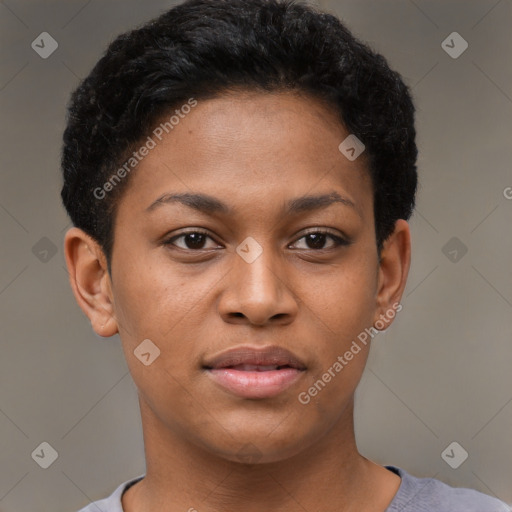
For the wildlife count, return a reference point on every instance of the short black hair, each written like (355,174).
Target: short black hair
(202,49)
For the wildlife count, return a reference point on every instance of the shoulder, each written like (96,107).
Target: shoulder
(431,495)
(113,502)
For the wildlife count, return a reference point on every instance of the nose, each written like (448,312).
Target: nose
(258,293)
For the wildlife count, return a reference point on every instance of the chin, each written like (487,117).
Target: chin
(259,445)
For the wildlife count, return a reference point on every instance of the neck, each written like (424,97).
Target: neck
(328,475)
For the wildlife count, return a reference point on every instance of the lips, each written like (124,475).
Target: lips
(255,372)
(257,368)
(266,359)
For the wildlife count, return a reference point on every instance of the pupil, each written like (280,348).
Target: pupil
(195,240)
(318,240)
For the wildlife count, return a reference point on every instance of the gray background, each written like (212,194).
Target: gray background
(440,373)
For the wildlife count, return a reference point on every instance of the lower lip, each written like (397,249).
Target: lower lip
(252,384)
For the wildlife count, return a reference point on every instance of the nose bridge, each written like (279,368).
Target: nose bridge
(259,274)
(256,268)
(258,288)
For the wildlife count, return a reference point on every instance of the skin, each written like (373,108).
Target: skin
(254,152)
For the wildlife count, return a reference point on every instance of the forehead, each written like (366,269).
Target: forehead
(250,145)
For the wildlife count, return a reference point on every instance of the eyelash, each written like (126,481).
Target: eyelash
(338,240)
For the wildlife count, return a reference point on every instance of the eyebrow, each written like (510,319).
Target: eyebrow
(211,205)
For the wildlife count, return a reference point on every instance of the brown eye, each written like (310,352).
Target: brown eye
(192,240)
(316,240)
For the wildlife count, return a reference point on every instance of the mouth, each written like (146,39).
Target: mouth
(255,373)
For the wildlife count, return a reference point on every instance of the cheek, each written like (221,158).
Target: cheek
(152,298)
(161,304)
(341,312)
(344,299)
(154,304)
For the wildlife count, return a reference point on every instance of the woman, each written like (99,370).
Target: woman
(240,175)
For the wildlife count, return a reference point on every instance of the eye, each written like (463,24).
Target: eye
(191,240)
(316,240)
(196,240)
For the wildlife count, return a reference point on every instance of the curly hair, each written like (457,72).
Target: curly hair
(204,48)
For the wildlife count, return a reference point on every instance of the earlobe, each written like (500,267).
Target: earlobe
(393,272)
(90,281)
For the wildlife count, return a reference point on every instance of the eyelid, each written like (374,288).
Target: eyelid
(339,238)
(324,231)
(168,240)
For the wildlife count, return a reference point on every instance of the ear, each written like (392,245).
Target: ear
(90,281)
(393,271)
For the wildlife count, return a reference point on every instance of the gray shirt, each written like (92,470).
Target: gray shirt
(413,495)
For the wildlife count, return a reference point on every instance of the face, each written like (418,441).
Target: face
(273,246)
